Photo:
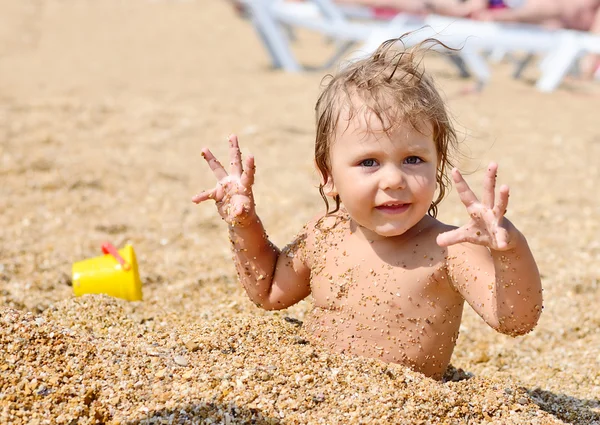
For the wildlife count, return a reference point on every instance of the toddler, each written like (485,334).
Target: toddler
(388,280)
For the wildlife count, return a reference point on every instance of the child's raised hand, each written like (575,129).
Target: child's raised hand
(233,192)
(487,226)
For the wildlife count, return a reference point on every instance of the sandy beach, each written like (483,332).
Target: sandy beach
(104,108)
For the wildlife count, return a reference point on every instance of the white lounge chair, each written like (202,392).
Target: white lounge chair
(274,18)
(561,48)
(571,45)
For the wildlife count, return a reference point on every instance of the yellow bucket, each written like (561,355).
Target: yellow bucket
(115,274)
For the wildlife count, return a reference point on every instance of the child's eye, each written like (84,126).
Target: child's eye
(368,163)
(413,160)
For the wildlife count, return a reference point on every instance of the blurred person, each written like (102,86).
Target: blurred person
(580,15)
(419,7)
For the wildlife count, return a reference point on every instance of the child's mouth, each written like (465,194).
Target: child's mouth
(394,208)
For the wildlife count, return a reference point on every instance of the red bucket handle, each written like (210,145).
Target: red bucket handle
(108,248)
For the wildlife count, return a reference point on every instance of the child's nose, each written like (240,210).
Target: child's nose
(393,178)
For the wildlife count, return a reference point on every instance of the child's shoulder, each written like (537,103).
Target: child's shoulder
(330,221)
(426,232)
(323,225)
(316,231)
(431,227)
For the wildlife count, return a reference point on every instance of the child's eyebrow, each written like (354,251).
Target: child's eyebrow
(411,150)
(419,150)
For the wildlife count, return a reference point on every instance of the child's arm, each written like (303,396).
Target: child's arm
(272,280)
(490,262)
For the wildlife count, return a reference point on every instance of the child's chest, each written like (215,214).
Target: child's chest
(373,277)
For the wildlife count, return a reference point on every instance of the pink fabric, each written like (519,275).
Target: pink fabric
(384,12)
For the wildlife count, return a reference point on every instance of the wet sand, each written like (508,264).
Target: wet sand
(104,107)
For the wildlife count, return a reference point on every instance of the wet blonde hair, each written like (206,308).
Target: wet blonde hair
(391,85)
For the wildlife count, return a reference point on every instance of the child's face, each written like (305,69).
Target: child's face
(385,183)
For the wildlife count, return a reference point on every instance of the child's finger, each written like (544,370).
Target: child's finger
(489,186)
(249,170)
(204,195)
(235,156)
(450,238)
(465,193)
(214,164)
(502,204)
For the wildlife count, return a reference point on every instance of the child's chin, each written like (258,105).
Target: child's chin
(388,232)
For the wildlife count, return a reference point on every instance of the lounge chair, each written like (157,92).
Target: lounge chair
(349,26)
(275,19)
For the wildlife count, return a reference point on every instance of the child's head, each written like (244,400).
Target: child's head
(389,87)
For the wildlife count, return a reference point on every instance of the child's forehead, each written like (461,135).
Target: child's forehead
(355,118)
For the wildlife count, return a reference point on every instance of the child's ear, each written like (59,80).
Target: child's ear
(329,188)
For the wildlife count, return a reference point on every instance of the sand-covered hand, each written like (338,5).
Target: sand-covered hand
(487,225)
(233,191)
